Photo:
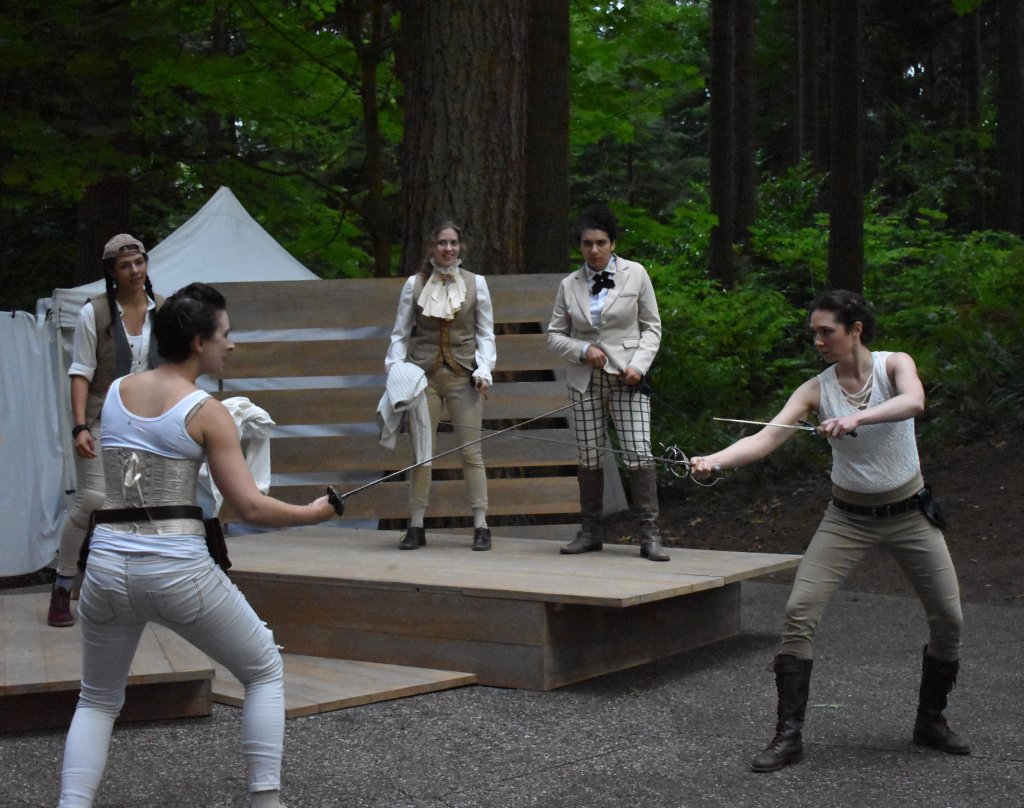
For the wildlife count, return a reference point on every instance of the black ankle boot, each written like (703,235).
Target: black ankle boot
(930,728)
(793,682)
(414,538)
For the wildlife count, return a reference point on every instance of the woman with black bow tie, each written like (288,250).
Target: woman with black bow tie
(606,325)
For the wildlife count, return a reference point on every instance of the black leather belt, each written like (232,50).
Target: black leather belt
(880,511)
(151,514)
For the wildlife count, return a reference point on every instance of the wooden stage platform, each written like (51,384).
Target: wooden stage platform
(361,621)
(41,670)
(40,673)
(521,615)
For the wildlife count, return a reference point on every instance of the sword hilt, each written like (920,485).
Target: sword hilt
(336,499)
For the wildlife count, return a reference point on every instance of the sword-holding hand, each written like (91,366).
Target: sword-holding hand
(838,427)
(703,467)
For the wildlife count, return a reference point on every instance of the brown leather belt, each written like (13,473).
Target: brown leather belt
(880,511)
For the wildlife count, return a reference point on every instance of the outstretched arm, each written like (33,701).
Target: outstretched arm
(800,406)
(214,428)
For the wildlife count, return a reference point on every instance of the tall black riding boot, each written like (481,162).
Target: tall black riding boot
(930,729)
(643,484)
(588,540)
(793,681)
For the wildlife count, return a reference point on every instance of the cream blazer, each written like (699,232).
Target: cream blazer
(630,329)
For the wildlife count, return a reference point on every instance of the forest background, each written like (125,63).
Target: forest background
(755,151)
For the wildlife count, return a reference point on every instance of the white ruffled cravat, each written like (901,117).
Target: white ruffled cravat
(444,292)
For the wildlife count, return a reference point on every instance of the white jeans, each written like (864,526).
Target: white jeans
(195,599)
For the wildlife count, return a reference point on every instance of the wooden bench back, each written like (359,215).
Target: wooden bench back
(330,385)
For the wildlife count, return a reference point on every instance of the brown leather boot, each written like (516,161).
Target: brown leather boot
(643,484)
(938,676)
(588,540)
(60,608)
(793,682)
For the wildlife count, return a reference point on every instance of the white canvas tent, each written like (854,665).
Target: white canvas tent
(220,243)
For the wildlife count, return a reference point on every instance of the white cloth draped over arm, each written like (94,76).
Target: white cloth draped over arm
(404,403)
(254,424)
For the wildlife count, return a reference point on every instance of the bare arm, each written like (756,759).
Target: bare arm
(214,428)
(801,405)
(85,441)
(907,403)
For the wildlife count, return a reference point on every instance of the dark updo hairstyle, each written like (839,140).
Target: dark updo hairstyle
(188,313)
(849,308)
(424,268)
(597,217)
(108,279)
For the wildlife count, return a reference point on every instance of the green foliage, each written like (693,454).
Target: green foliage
(637,111)
(953,302)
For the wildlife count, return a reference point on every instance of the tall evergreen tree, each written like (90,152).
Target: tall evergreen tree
(846,189)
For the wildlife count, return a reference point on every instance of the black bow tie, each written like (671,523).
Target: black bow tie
(602,280)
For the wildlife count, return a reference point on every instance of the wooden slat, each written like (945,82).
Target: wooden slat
(360,357)
(354,453)
(318,685)
(358,405)
(314,358)
(362,302)
(519,497)
(347,303)
(523,298)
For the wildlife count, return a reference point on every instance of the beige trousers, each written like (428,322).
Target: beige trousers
(841,541)
(445,388)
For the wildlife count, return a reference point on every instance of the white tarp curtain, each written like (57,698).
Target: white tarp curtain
(32,449)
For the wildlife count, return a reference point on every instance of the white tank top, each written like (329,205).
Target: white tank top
(882,457)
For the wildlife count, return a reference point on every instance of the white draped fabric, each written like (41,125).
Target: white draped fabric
(33,480)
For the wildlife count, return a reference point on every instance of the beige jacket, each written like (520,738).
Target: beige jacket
(630,329)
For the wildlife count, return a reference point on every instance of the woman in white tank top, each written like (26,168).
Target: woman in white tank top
(866,402)
(158,427)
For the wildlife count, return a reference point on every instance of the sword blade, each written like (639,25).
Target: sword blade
(802,427)
(338,499)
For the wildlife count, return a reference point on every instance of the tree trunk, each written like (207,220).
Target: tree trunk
(464,72)
(807,78)
(106,106)
(1009,118)
(745,148)
(846,203)
(970,207)
(365,24)
(547,138)
(722,266)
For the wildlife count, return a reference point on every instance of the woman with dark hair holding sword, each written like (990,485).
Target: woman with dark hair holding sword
(866,401)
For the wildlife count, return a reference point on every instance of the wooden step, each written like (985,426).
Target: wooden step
(318,684)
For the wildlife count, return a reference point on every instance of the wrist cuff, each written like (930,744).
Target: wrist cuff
(78,429)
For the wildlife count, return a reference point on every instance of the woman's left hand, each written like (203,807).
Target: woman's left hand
(837,427)
(632,376)
(482,386)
